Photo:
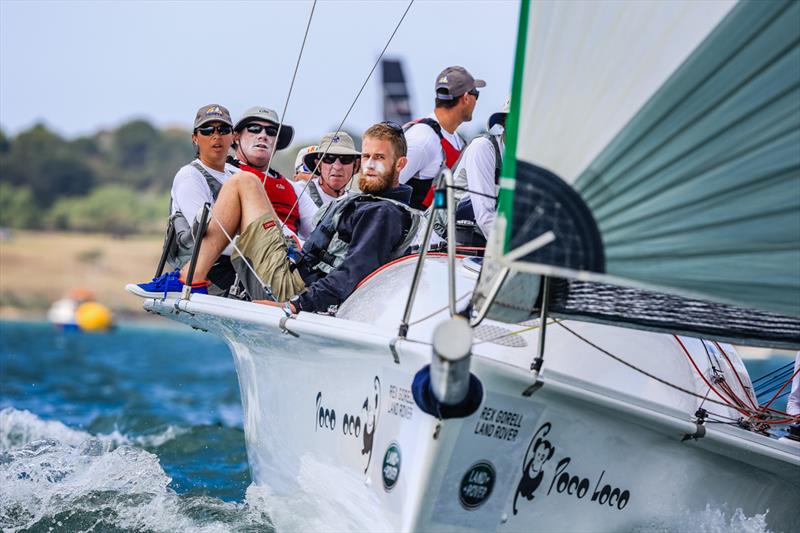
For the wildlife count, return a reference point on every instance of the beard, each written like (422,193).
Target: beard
(374,184)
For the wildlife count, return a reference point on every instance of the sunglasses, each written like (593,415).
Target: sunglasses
(475,93)
(394,126)
(207,131)
(255,129)
(345,159)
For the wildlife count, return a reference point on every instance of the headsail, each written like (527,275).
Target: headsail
(396,102)
(679,125)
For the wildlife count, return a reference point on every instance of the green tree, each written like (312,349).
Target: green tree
(17,207)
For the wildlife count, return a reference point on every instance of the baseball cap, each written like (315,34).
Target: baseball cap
(211,113)
(264,113)
(454,81)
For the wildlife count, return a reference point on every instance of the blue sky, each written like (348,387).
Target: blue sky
(82,66)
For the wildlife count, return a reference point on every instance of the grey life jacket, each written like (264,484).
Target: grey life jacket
(181,250)
(325,251)
(461,183)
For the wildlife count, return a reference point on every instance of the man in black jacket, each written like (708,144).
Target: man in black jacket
(357,235)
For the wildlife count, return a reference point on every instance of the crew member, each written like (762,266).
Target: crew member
(432,141)
(478,171)
(198,183)
(333,164)
(256,140)
(356,235)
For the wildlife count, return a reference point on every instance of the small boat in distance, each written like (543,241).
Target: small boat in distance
(78,311)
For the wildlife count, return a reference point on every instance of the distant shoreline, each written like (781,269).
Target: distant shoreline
(38,267)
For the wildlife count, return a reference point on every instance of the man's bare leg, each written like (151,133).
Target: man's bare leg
(241,201)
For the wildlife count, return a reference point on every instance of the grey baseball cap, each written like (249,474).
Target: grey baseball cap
(268,115)
(333,143)
(452,82)
(211,113)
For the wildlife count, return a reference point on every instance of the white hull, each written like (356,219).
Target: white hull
(327,415)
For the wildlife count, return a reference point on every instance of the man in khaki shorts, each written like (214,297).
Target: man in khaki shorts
(358,234)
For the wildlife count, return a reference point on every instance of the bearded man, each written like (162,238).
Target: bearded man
(356,235)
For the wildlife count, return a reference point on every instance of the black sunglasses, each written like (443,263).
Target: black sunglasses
(475,93)
(255,129)
(393,125)
(206,131)
(345,159)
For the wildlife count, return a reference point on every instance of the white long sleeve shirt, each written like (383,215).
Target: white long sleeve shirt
(793,404)
(478,163)
(425,151)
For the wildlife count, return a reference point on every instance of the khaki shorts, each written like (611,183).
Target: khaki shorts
(264,246)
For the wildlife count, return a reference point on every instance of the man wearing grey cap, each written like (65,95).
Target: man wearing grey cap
(432,141)
(256,139)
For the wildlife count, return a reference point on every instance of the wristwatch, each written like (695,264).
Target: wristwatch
(288,308)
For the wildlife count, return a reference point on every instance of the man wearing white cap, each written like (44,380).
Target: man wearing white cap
(256,139)
(333,164)
(432,141)
(478,171)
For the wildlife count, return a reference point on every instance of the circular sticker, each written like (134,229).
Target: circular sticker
(391,466)
(476,485)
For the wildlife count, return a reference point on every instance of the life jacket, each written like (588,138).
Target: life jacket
(324,251)
(280,192)
(422,195)
(181,250)
(461,183)
(313,192)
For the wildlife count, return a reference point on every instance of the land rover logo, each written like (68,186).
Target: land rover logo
(476,485)
(391,466)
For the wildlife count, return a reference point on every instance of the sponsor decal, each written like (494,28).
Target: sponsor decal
(358,426)
(536,469)
(391,466)
(401,402)
(476,485)
(498,424)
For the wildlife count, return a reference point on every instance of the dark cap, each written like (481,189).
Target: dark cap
(210,113)
(452,82)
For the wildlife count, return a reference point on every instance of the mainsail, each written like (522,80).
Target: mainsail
(678,124)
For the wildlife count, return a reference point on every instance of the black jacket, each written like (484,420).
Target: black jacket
(373,229)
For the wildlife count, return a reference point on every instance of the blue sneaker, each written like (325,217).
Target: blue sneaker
(169,282)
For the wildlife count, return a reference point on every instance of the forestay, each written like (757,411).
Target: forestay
(678,123)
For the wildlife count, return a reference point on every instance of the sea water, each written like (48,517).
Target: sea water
(140,430)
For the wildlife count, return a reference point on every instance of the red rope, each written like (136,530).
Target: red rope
(708,383)
(766,405)
(738,378)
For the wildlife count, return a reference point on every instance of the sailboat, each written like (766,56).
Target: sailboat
(583,378)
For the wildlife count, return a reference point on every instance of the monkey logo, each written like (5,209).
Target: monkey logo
(371,411)
(539,452)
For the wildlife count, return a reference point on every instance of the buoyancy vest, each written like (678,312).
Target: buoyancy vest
(181,250)
(313,192)
(280,192)
(324,251)
(422,196)
(461,183)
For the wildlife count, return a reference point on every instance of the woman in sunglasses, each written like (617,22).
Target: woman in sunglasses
(332,163)
(198,183)
(256,139)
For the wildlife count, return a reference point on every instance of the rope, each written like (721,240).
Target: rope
(289,94)
(352,105)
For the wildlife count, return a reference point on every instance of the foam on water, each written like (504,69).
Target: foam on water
(710,520)
(56,478)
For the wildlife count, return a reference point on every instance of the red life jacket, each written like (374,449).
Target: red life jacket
(280,193)
(450,153)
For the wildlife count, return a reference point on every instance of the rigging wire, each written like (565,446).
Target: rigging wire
(352,105)
(289,94)
(784,368)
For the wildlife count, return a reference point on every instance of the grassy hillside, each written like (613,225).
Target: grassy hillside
(36,268)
